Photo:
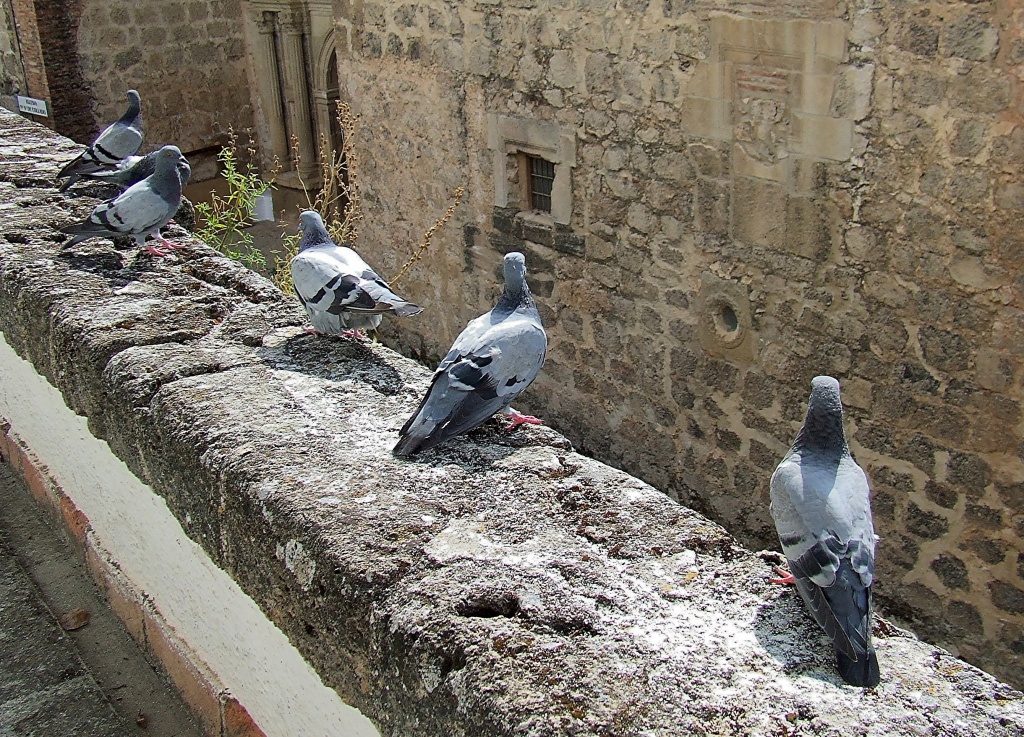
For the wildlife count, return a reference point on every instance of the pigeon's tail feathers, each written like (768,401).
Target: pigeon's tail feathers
(384,297)
(80,232)
(861,672)
(409,445)
(843,610)
(67,183)
(75,169)
(418,432)
(406,309)
(69,168)
(445,412)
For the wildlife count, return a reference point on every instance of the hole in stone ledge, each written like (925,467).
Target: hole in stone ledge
(506,605)
(16,238)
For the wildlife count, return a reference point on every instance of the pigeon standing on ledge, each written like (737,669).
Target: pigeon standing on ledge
(341,293)
(141,210)
(491,363)
(136,168)
(822,511)
(118,141)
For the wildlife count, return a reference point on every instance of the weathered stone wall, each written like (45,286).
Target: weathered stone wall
(187,59)
(756,197)
(12,72)
(499,585)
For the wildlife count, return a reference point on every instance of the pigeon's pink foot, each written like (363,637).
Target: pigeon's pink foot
(311,331)
(785,578)
(520,419)
(354,334)
(155,251)
(169,244)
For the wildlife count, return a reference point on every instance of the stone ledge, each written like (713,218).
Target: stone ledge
(501,585)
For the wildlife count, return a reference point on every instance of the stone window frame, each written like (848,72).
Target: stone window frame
(507,135)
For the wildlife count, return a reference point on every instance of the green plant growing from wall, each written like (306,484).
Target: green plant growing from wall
(223,220)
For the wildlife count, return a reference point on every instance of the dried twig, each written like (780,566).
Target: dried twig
(425,244)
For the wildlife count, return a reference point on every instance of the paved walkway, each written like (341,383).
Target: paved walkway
(92,682)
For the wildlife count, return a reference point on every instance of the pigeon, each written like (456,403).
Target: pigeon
(340,292)
(134,169)
(139,211)
(118,141)
(491,363)
(820,502)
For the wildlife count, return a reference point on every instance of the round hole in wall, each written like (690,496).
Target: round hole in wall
(724,319)
(727,316)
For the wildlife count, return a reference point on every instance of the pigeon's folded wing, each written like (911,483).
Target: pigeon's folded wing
(136,210)
(486,369)
(322,283)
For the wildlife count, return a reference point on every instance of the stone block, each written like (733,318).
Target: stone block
(537,230)
(993,370)
(674,166)
(867,26)
(808,175)
(563,70)
(981,90)
(597,72)
(711,161)
(952,572)
(976,275)
(1007,597)
(830,40)
(853,96)
(814,93)
(1010,196)
(807,231)
(969,138)
(746,165)
(970,37)
(760,212)
(824,137)
(711,207)
(706,118)
(574,244)
(919,37)
(856,393)
(709,80)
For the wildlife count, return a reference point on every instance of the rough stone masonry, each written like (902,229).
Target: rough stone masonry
(503,585)
(743,200)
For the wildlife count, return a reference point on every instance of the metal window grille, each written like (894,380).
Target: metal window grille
(542,177)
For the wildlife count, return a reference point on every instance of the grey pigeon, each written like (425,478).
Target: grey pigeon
(118,141)
(136,168)
(139,211)
(491,363)
(822,511)
(340,292)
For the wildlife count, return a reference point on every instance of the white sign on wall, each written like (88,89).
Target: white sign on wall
(32,105)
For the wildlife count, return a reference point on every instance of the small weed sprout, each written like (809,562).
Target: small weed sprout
(223,220)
